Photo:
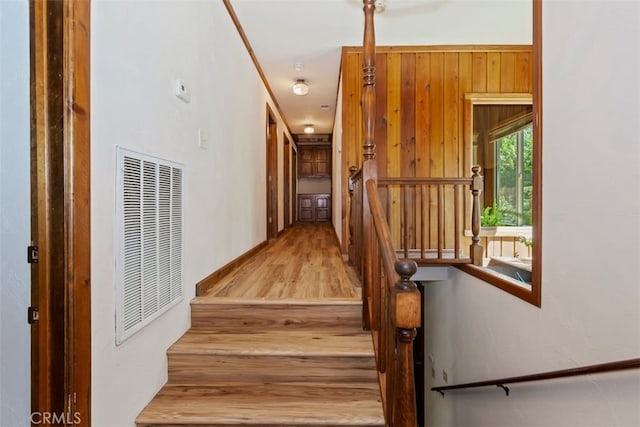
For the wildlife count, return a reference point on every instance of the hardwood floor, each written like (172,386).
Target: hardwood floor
(276,343)
(304,263)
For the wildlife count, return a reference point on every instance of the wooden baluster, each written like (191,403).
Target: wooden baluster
(405,218)
(375,289)
(475,250)
(423,230)
(383,345)
(352,214)
(405,309)
(440,205)
(456,221)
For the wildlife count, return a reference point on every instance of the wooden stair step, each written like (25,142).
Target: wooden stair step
(266,405)
(275,342)
(272,356)
(221,313)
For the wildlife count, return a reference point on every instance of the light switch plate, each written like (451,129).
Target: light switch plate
(203,139)
(181,90)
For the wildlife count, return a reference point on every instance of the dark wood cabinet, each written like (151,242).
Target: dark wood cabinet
(314,162)
(314,207)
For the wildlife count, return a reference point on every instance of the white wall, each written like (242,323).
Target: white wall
(591,248)
(14,214)
(138,48)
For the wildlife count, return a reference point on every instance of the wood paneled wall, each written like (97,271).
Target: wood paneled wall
(419,105)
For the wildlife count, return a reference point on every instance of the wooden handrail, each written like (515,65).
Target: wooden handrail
(416,180)
(563,373)
(387,252)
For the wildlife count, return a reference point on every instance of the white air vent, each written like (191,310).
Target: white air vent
(149,240)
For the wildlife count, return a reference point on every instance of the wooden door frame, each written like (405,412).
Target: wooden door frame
(287,180)
(294,181)
(60,210)
(272,174)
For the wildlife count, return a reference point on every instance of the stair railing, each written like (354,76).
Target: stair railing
(394,314)
(391,301)
(427,217)
(620,365)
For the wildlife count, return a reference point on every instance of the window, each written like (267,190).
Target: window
(513,172)
(149,232)
(501,139)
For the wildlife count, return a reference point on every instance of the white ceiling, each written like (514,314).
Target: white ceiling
(283,32)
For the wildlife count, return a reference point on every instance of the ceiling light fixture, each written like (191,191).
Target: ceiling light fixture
(309,129)
(300,87)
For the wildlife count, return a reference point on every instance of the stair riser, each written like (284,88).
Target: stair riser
(204,369)
(260,424)
(259,317)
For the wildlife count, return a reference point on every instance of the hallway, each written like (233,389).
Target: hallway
(303,263)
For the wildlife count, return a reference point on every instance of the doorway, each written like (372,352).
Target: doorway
(287,181)
(272,175)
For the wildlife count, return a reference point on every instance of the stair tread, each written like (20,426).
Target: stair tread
(275,342)
(271,301)
(266,404)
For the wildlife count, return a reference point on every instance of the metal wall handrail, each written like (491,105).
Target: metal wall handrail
(583,370)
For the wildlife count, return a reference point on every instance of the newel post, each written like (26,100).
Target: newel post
(405,309)
(369,165)
(475,250)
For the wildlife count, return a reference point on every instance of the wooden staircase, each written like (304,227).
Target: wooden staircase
(270,363)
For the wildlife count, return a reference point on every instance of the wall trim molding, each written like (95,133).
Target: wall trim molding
(206,284)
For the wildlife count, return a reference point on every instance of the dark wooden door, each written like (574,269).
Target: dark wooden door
(314,207)
(323,208)
(287,181)
(306,163)
(306,207)
(294,184)
(323,162)
(272,175)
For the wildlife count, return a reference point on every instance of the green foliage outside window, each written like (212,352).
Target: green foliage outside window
(514,158)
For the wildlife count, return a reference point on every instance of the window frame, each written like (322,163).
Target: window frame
(532,293)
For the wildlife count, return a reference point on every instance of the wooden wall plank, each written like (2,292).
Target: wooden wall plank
(423,125)
(523,69)
(493,72)
(423,135)
(408,114)
(436,108)
(394,138)
(394,124)
(380,130)
(507,72)
(436,158)
(451,137)
(408,153)
(465,85)
(450,167)
(479,78)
